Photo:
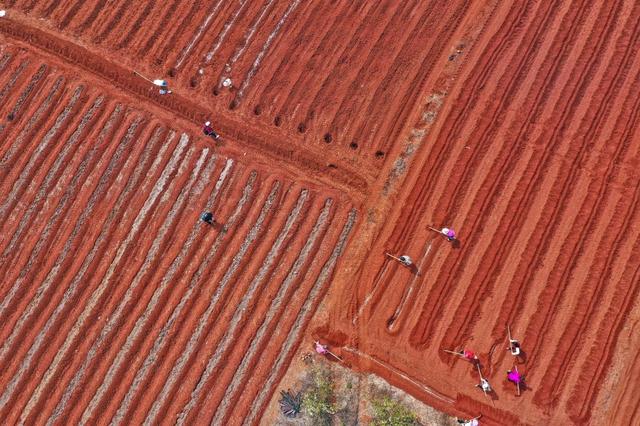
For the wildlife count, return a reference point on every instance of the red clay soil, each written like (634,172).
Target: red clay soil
(342,122)
(533,161)
(117,302)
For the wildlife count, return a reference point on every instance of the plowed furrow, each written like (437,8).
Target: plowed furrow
(543,18)
(79,288)
(126,301)
(593,374)
(171,325)
(43,292)
(143,322)
(270,319)
(331,59)
(26,363)
(240,314)
(255,66)
(304,316)
(565,183)
(548,76)
(108,373)
(125,246)
(27,130)
(31,90)
(56,179)
(219,296)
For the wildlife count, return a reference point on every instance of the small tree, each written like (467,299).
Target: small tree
(387,412)
(318,399)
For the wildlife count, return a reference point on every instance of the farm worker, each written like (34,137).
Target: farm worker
(471,422)
(484,385)
(468,355)
(449,233)
(164,86)
(321,349)
(514,347)
(207,217)
(208,130)
(406,260)
(514,376)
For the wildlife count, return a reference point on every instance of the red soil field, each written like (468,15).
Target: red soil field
(348,129)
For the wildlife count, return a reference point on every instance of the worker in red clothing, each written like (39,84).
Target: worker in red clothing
(469,355)
(208,130)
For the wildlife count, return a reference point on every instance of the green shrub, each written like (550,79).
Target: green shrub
(318,399)
(388,412)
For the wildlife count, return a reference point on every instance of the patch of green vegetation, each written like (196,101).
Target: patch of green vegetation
(388,412)
(318,400)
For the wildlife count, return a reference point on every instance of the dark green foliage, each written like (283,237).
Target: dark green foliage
(290,404)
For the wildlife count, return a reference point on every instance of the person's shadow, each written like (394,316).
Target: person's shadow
(455,243)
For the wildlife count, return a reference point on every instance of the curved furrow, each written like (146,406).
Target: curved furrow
(304,316)
(606,27)
(357,83)
(268,94)
(274,97)
(593,374)
(42,294)
(218,298)
(60,180)
(493,51)
(115,21)
(26,363)
(542,19)
(590,293)
(553,63)
(402,107)
(255,66)
(86,375)
(285,291)
(165,336)
(333,59)
(109,372)
(240,314)
(141,47)
(569,111)
(28,130)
